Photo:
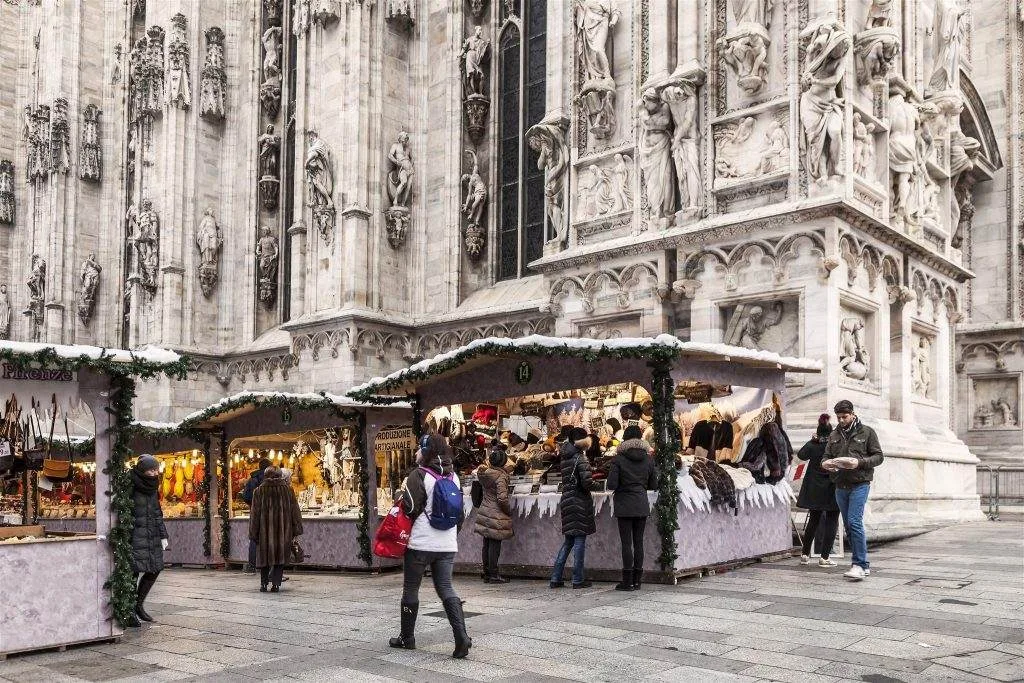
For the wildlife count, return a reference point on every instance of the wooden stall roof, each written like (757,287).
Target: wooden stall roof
(484,351)
(239,404)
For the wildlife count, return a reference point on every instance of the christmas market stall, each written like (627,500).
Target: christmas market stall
(342,454)
(65,587)
(720,499)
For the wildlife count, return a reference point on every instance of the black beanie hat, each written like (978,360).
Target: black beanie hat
(824,425)
(843,406)
(146,462)
(632,432)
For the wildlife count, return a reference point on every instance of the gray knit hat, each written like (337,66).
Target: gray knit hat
(147,462)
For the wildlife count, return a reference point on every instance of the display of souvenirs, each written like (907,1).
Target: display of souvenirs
(75,499)
(181,481)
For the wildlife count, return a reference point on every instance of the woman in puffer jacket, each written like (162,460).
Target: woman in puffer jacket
(577,507)
(494,518)
(631,476)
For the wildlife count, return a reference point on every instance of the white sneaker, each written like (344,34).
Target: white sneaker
(825,562)
(856,573)
(867,572)
(805,559)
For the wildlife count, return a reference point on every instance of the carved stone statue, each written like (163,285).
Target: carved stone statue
(302,16)
(876,50)
(731,151)
(681,98)
(905,160)
(209,243)
(7,192)
(271,50)
(656,155)
(147,244)
(745,48)
(154,91)
(547,139)
(1005,410)
(879,14)
(325,11)
(270,147)
(214,78)
(854,359)
(37,294)
(950,30)
(179,86)
(749,322)
(88,283)
(753,11)
(921,374)
(60,137)
(5,313)
(270,95)
(320,179)
(596,194)
(594,22)
(90,154)
(476,52)
(473,208)
(622,184)
(863,148)
(401,173)
(37,135)
(267,254)
(402,13)
(821,106)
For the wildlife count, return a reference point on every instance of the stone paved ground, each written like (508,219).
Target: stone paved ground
(943,606)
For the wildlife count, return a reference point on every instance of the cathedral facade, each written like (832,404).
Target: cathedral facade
(304,194)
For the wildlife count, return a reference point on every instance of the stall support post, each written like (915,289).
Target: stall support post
(666,439)
(224,498)
(417,416)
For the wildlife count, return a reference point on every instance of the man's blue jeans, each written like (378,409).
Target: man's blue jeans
(578,546)
(851,504)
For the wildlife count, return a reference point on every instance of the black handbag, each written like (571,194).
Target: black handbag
(297,554)
(476,493)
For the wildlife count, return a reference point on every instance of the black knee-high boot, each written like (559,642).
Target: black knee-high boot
(453,608)
(407,638)
(145,585)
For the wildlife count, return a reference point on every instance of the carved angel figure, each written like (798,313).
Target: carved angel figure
(854,359)
(749,323)
(402,170)
(547,139)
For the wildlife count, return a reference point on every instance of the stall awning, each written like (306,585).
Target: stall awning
(484,351)
(84,354)
(229,408)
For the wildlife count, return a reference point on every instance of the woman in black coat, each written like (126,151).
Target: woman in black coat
(577,507)
(149,537)
(631,476)
(818,495)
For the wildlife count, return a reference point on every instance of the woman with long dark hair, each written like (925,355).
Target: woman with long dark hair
(818,496)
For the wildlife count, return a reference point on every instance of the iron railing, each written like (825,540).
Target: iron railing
(1000,487)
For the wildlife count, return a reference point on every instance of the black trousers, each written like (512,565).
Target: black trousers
(821,530)
(489,556)
(146,581)
(631,534)
(272,575)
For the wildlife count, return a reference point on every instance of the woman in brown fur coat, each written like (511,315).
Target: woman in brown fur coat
(494,518)
(274,520)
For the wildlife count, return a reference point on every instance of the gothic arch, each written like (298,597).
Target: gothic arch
(975,123)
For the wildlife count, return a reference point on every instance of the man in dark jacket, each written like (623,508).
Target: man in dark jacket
(255,479)
(577,506)
(631,475)
(851,456)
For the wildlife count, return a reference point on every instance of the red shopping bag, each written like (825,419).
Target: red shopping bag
(393,534)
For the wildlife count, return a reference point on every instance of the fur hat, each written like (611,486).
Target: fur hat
(580,437)
(824,425)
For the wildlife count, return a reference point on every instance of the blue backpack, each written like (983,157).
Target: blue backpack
(446,504)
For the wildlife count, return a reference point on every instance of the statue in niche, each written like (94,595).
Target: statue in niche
(179,87)
(854,359)
(681,98)
(775,156)
(656,155)
(301,17)
(594,22)
(320,177)
(595,192)
(37,292)
(401,173)
(154,70)
(821,105)
(950,33)
(863,147)
(1003,408)
(473,208)
(147,243)
(270,147)
(88,283)
(37,134)
(267,253)
(5,313)
(876,50)
(622,184)
(921,370)
(879,14)
(547,139)
(749,322)
(209,242)
(212,96)
(271,50)
(730,141)
(90,159)
(476,51)
(905,159)
(60,137)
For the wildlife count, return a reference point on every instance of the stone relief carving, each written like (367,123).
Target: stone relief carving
(622,184)
(400,12)
(997,403)
(745,48)
(605,191)
(476,8)
(88,283)
(267,254)
(144,234)
(921,367)
(269,152)
(270,89)
(37,135)
(854,358)
(209,242)
(863,148)
(547,139)
(179,84)
(60,137)
(775,153)
(302,17)
(90,153)
(214,78)
(7,192)
(732,158)
(821,105)
(770,326)
(681,97)
(5,313)
(37,295)
(594,22)
(154,71)
(473,62)
(473,209)
(320,180)
(655,153)
(399,188)
(949,35)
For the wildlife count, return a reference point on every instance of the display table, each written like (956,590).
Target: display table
(330,543)
(185,542)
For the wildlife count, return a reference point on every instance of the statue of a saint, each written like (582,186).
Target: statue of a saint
(319,172)
(594,21)
(475,52)
(950,28)
(402,170)
(269,145)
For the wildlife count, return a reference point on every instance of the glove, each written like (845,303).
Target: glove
(164,543)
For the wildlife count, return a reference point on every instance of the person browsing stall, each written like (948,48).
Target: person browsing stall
(274,522)
(494,517)
(631,476)
(149,536)
(577,508)
(818,496)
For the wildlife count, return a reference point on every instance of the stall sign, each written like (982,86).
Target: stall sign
(699,393)
(394,439)
(12,371)
(524,373)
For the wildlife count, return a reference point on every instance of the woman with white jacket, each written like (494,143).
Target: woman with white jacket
(429,546)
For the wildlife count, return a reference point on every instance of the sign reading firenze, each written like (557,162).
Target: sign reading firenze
(11,371)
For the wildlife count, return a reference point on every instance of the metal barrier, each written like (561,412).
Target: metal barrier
(999,487)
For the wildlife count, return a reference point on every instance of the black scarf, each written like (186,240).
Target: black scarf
(143,484)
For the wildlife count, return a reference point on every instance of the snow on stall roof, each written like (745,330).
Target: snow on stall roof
(724,351)
(156,426)
(151,354)
(257,397)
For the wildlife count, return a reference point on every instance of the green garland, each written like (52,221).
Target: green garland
(272,400)
(362,526)
(204,496)
(223,499)
(666,440)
